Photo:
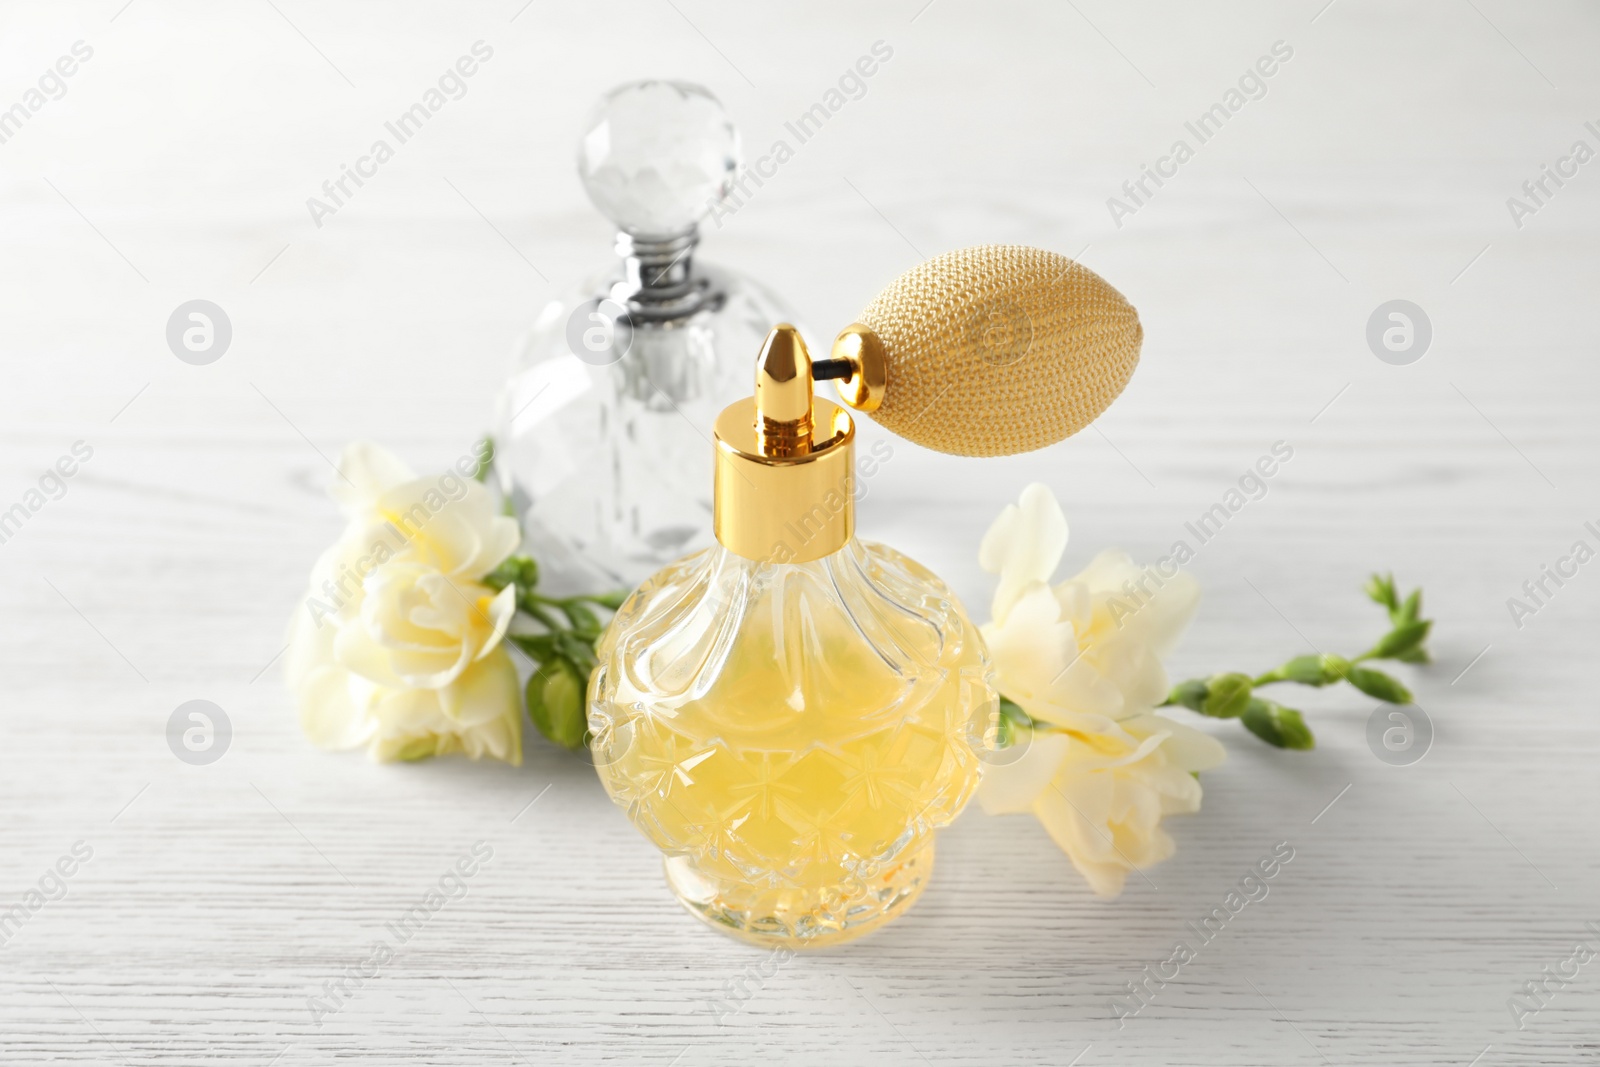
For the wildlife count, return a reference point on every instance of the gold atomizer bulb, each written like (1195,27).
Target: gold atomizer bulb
(988,351)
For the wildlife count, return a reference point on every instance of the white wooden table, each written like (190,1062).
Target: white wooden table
(1376,166)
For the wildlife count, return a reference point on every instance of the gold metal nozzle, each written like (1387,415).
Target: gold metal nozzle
(783,393)
(784,473)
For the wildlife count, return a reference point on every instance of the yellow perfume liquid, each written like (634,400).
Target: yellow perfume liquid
(791,735)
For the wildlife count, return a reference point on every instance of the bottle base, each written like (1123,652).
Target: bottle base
(796,918)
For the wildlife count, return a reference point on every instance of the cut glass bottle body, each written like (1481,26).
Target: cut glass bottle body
(791,735)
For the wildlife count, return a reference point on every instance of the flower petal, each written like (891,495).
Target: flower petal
(995,548)
(366,472)
(1132,667)
(1190,749)
(501,611)
(1023,545)
(1013,787)
(1033,646)
(451,526)
(1075,826)
(486,690)
(480,715)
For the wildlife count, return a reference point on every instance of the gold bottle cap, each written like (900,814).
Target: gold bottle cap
(785,463)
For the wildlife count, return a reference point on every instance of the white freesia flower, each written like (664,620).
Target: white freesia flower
(400,645)
(1083,659)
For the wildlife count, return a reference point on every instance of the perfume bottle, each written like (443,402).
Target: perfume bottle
(791,714)
(600,428)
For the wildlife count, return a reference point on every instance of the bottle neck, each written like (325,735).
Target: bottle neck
(658,280)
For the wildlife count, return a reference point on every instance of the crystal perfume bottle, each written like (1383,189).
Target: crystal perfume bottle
(600,428)
(791,714)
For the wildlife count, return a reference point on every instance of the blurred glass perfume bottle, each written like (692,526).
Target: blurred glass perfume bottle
(599,431)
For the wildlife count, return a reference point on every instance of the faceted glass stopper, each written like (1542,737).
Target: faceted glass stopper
(656,155)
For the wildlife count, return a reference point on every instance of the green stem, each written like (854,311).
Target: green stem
(598,599)
(549,621)
(1228,695)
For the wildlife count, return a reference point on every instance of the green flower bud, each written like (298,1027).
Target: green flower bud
(1334,669)
(555,703)
(520,571)
(1277,725)
(1380,587)
(1404,640)
(1411,610)
(1307,670)
(1227,696)
(1380,685)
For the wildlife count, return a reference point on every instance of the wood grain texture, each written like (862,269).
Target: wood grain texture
(1375,166)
